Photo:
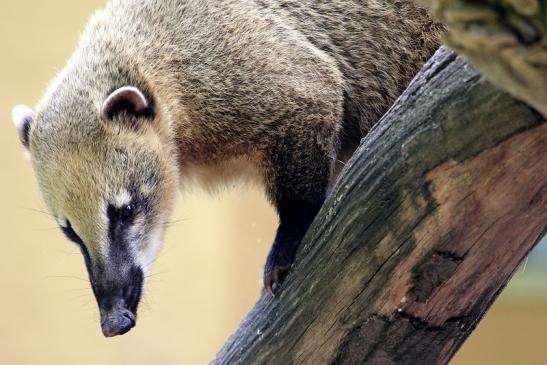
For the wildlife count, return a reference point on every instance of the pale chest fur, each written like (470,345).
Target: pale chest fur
(225,173)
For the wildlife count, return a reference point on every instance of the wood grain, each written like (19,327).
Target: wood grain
(429,219)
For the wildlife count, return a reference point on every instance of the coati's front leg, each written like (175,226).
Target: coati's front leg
(298,175)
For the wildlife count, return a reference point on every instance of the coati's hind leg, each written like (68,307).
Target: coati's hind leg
(297,178)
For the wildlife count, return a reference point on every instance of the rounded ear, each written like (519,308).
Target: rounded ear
(22,117)
(128,99)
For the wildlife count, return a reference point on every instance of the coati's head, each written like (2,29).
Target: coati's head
(106,176)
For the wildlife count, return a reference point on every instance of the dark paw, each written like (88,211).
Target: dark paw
(277,266)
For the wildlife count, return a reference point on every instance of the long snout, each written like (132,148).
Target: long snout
(117,321)
(118,293)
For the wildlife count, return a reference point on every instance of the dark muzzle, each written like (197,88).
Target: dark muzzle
(117,322)
(118,300)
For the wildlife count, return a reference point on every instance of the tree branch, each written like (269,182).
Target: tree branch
(428,221)
(505,39)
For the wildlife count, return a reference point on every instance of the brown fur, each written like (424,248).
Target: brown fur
(277,90)
(241,75)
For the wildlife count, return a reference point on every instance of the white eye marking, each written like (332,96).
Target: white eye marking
(123,198)
(150,252)
(146,189)
(103,229)
(62,222)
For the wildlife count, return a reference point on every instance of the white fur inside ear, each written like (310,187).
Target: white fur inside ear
(22,117)
(127,97)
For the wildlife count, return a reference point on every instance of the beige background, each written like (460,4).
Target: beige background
(207,276)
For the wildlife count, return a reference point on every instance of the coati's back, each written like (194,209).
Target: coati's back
(227,50)
(378,45)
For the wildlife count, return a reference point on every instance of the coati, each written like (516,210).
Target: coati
(161,93)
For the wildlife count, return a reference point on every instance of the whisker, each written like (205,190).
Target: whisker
(46,229)
(76,297)
(155,277)
(155,274)
(177,221)
(174,222)
(168,224)
(87,304)
(78,290)
(67,252)
(337,160)
(148,265)
(65,277)
(155,259)
(39,211)
(144,303)
(155,281)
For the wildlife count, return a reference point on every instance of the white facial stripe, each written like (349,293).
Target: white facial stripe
(62,222)
(27,155)
(103,224)
(123,198)
(150,252)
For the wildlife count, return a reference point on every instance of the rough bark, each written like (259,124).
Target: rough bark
(427,223)
(505,39)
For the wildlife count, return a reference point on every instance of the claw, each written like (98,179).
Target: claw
(274,278)
(268,284)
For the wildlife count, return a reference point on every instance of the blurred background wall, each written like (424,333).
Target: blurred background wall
(208,275)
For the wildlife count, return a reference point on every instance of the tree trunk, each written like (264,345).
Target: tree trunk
(427,223)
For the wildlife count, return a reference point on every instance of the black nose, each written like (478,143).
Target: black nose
(117,322)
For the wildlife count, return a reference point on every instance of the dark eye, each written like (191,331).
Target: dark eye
(127,213)
(123,215)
